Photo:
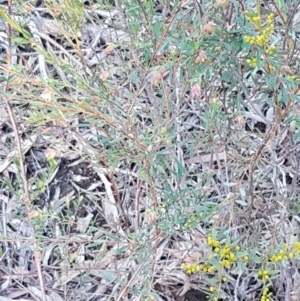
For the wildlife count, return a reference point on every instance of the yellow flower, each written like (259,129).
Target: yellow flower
(225,263)
(292,77)
(265,290)
(270,18)
(247,39)
(252,62)
(274,258)
(255,20)
(264,274)
(211,269)
(271,50)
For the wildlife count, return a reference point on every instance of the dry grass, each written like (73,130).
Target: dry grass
(130,133)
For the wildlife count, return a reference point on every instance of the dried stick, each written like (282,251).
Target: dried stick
(37,253)
(28,203)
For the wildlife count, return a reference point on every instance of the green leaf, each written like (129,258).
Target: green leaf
(254,258)
(120,250)
(96,243)
(280,4)
(265,11)
(272,82)
(109,276)
(284,96)
(242,192)
(13,24)
(242,203)
(297,138)
(20,40)
(241,266)
(296,98)
(241,254)
(113,237)
(250,13)
(288,82)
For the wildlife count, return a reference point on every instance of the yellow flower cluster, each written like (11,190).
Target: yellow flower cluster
(191,221)
(194,268)
(270,19)
(286,253)
(225,253)
(252,62)
(249,39)
(266,295)
(261,39)
(264,274)
(227,256)
(207,268)
(282,255)
(212,242)
(271,50)
(292,77)
(190,268)
(297,247)
(255,20)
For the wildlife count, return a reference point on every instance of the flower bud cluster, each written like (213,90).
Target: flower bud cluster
(264,274)
(192,220)
(264,31)
(226,256)
(252,62)
(262,38)
(286,253)
(266,295)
